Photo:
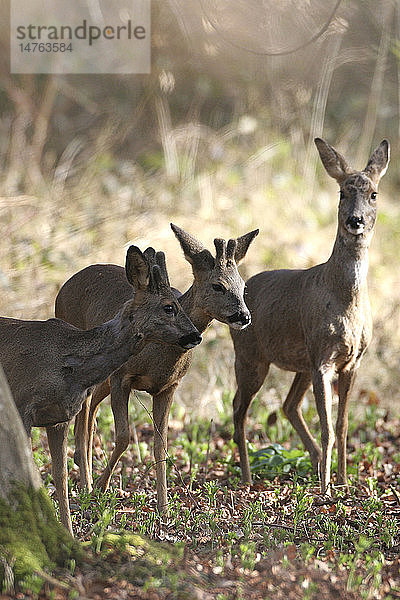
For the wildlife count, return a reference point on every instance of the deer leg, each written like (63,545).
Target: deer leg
(345,383)
(292,409)
(161,407)
(250,378)
(321,379)
(119,403)
(100,392)
(80,432)
(57,439)
(83,433)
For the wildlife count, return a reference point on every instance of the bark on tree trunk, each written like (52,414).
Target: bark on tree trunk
(31,538)
(16,461)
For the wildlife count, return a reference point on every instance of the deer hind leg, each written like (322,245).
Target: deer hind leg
(292,410)
(100,392)
(161,407)
(80,454)
(57,438)
(80,428)
(321,379)
(83,432)
(86,417)
(120,391)
(345,383)
(249,377)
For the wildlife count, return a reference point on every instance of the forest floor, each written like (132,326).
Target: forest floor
(277,539)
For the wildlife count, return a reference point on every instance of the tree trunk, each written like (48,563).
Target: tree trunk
(31,538)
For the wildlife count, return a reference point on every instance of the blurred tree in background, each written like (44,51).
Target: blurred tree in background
(212,63)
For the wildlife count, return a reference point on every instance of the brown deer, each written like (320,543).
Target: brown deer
(51,366)
(315,322)
(92,294)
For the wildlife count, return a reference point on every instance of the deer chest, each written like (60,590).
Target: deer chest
(159,376)
(345,341)
(54,408)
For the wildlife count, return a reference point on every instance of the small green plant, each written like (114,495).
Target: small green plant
(100,528)
(275,460)
(302,502)
(32,584)
(369,580)
(248,555)
(211,490)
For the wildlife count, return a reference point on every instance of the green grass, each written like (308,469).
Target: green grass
(233,530)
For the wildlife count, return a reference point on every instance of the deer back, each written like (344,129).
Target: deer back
(34,355)
(93,295)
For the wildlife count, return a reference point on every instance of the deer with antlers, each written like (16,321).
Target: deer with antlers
(91,295)
(52,366)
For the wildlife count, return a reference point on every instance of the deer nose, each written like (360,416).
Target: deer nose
(242,318)
(355,222)
(190,340)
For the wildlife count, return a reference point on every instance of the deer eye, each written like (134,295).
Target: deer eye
(169,309)
(341,195)
(131,317)
(217,287)
(373,196)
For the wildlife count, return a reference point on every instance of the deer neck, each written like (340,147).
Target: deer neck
(347,267)
(196,314)
(100,351)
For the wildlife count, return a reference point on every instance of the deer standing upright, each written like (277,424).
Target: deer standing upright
(216,293)
(51,366)
(315,322)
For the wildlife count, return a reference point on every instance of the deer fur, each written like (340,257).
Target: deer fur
(216,293)
(51,366)
(315,322)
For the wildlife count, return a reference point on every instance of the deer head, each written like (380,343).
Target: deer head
(154,312)
(358,190)
(217,284)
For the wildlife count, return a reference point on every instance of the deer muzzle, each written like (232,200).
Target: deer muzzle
(239,320)
(190,340)
(355,225)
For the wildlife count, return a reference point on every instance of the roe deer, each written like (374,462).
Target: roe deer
(51,365)
(314,322)
(92,294)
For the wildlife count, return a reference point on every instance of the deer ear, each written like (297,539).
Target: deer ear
(194,251)
(379,161)
(136,268)
(242,244)
(334,163)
